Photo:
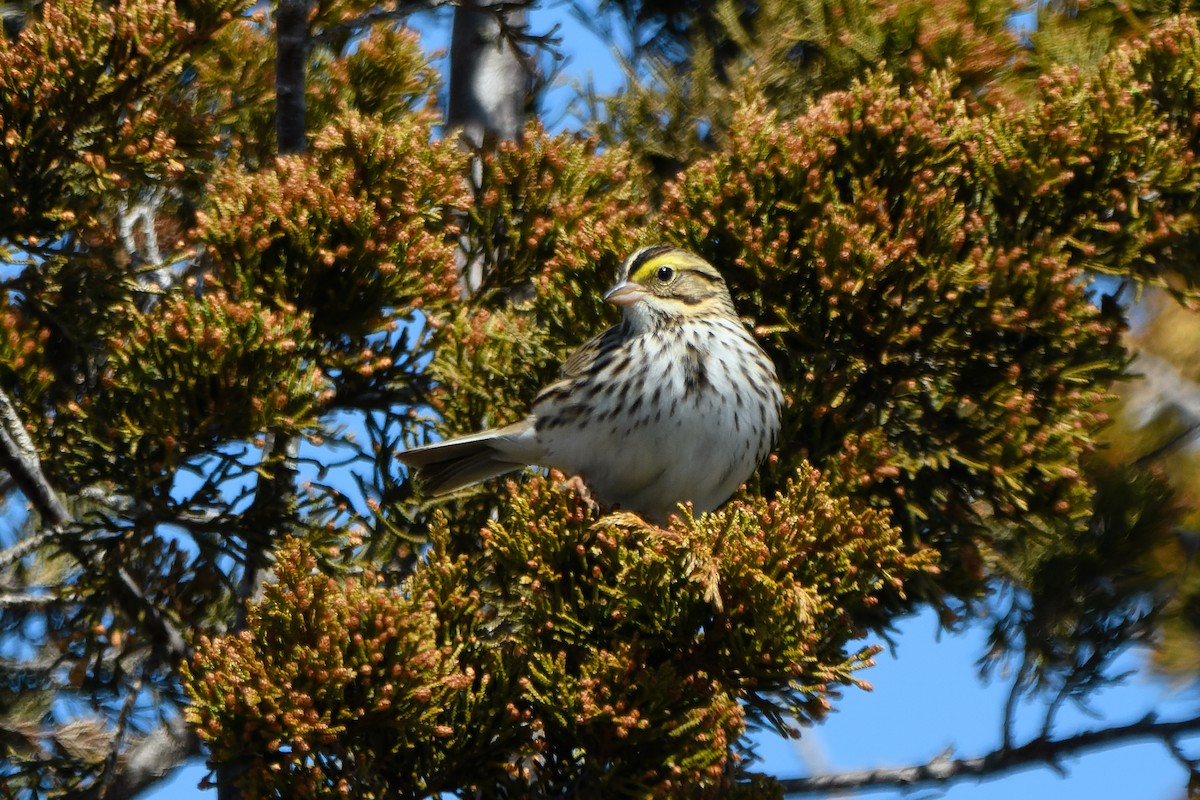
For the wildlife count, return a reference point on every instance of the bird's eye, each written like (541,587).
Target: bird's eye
(664,274)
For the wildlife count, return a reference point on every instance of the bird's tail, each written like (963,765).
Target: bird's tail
(455,463)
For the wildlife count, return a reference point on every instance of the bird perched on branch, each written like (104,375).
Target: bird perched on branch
(676,403)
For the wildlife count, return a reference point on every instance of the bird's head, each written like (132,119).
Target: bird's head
(662,284)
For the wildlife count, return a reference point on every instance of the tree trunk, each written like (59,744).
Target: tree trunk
(489,76)
(490,80)
(291,56)
(276,486)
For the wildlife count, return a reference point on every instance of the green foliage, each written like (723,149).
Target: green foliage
(682,97)
(174,295)
(387,77)
(188,376)
(351,233)
(916,268)
(1080,34)
(908,222)
(553,214)
(72,122)
(1089,595)
(938,359)
(599,655)
(551,221)
(383,76)
(332,679)
(22,362)
(1114,154)
(234,82)
(915,265)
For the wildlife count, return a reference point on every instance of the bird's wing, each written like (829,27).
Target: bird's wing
(590,351)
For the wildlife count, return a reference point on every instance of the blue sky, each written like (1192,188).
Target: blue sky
(927,696)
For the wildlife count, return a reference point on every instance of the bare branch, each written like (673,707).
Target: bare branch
(150,758)
(27,600)
(166,634)
(1040,751)
(1010,704)
(122,722)
(20,458)
(26,546)
(1192,765)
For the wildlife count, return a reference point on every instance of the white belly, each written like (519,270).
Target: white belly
(692,430)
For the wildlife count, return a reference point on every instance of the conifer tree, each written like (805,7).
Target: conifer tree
(911,207)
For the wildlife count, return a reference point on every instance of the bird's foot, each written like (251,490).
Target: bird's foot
(581,490)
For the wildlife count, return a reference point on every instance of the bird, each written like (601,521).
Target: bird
(675,404)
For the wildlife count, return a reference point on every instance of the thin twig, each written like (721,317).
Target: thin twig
(1053,707)
(26,546)
(1042,750)
(1170,444)
(28,600)
(121,728)
(166,634)
(20,458)
(1010,704)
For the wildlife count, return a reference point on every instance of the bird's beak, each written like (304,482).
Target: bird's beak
(625,293)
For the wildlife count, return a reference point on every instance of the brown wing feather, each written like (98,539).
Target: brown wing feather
(464,460)
(582,362)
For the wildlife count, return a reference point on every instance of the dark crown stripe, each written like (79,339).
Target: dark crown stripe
(645,255)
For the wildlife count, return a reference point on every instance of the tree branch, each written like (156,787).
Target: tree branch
(20,458)
(1040,751)
(165,633)
(26,546)
(151,757)
(27,600)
